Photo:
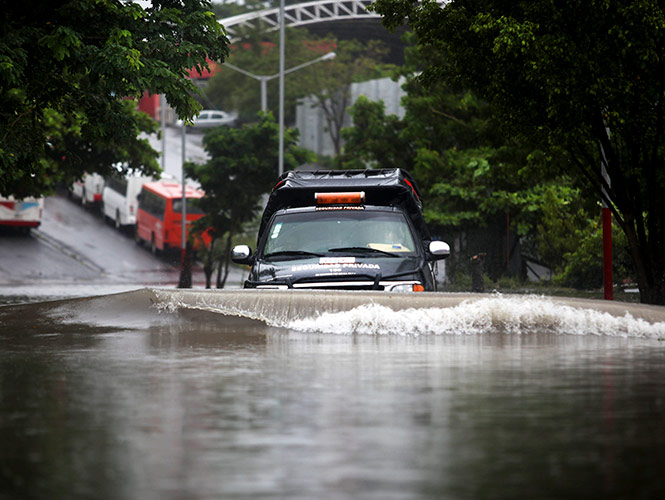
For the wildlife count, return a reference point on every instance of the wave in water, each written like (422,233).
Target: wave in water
(484,315)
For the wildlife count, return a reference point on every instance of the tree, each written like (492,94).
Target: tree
(68,67)
(242,167)
(330,87)
(230,8)
(471,190)
(327,82)
(587,77)
(68,150)
(475,181)
(257,52)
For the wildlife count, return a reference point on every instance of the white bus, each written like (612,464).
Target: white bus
(120,199)
(24,214)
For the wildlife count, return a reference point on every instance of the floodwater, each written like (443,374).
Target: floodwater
(162,394)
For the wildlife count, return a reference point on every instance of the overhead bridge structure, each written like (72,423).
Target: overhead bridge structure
(299,15)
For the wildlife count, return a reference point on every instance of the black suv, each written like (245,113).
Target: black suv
(343,229)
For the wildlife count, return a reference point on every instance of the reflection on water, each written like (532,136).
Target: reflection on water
(193,404)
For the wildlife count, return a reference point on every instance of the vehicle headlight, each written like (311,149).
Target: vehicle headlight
(407,287)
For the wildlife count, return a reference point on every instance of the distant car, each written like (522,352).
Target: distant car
(209,118)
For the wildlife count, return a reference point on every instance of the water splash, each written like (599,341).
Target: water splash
(511,315)
(349,314)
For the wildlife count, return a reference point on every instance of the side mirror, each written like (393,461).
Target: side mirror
(242,254)
(439,249)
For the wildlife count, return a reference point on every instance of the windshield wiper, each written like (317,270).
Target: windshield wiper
(292,253)
(363,250)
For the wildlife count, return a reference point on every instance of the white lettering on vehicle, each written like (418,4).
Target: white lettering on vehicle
(337,269)
(344,207)
(336,260)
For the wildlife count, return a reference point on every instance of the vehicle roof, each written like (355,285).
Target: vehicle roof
(170,190)
(382,187)
(313,208)
(379,180)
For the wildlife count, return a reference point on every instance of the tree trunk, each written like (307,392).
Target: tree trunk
(208,266)
(223,267)
(650,278)
(226,260)
(334,111)
(219,273)
(207,270)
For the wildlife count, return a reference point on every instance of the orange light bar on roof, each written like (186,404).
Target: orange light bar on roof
(340,198)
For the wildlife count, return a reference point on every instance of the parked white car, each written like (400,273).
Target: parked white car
(89,189)
(120,199)
(209,118)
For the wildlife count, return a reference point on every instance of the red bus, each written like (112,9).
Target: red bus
(159,215)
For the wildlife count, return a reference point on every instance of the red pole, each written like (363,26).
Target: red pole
(608,284)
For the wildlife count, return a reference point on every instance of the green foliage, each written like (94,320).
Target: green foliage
(584,263)
(68,68)
(330,87)
(328,82)
(583,77)
(376,139)
(242,167)
(232,8)
(258,53)
(470,174)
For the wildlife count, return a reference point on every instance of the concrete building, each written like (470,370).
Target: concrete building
(311,121)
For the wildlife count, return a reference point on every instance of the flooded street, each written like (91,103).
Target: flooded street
(167,395)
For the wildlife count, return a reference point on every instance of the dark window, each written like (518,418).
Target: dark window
(153,204)
(192,206)
(117,184)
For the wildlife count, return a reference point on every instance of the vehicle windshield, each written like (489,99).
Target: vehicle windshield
(365,233)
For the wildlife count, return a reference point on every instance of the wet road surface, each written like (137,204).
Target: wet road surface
(75,253)
(167,395)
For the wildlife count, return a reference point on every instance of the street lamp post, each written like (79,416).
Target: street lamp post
(162,112)
(280,158)
(185,280)
(264,79)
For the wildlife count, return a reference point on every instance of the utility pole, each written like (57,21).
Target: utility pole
(280,161)
(185,280)
(162,113)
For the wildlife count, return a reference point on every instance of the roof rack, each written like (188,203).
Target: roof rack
(382,187)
